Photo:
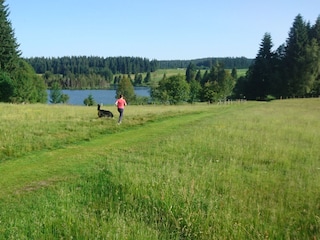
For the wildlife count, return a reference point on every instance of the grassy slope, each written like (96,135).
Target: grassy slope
(247,171)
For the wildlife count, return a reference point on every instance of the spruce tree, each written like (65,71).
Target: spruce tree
(147,79)
(55,93)
(9,52)
(260,74)
(27,86)
(191,72)
(315,39)
(297,63)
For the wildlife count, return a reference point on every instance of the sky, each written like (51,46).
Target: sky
(153,29)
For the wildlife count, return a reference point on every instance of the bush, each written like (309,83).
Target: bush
(89,101)
(6,87)
(270,98)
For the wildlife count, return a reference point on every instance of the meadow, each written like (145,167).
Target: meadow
(248,170)
(157,75)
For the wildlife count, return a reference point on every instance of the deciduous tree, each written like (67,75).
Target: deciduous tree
(173,89)
(126,88)
(28,86)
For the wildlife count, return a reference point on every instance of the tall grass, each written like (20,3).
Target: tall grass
(242,171)
(27,128)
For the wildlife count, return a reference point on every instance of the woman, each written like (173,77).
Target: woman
(120,103)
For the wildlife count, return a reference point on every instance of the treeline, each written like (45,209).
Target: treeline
(97,72)
(292,70)
(92,65)
(215,84)
(124,65)
(88,72)
(207,63)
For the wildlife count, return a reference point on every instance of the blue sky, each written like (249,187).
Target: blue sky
(153,29)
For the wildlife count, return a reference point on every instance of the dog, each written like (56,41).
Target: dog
(104,113)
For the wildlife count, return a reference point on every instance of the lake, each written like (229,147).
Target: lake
(106,97)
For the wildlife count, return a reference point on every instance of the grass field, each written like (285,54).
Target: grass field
(247,170)
(158,75)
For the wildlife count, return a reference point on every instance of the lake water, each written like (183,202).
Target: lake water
(106,97)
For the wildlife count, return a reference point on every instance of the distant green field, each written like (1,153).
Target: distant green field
(242,72)
(243,170)
(158,75)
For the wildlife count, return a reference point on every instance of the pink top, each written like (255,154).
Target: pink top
(121,103)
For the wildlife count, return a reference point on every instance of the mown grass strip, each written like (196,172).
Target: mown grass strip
(48,166)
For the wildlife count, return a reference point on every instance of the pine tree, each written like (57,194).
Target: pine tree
(55,93)
(27,86)
(147,79)
(315,36)
(9,52)
(191,72)
(297,65)
(89,101)
(234,73)
(260,74)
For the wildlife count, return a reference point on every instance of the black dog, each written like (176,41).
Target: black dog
(104,113)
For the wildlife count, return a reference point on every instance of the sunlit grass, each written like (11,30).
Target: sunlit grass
(246,171)
(26,128)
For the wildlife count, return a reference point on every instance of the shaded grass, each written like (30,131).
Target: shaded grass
(237,172)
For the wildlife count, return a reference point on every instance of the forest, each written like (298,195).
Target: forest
(125,65)
(97,72)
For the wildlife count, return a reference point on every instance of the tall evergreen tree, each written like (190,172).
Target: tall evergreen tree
(315,30)
(315,36)
(27,86)
(138,79)
(191,72)
(297,64)
(260,74)
(198,77)
(9,52)
(55,93)
(147,79)
(234,73)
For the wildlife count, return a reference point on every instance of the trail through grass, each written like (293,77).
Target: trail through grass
(45,166)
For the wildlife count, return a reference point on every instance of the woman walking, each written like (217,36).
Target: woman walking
(120,103)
